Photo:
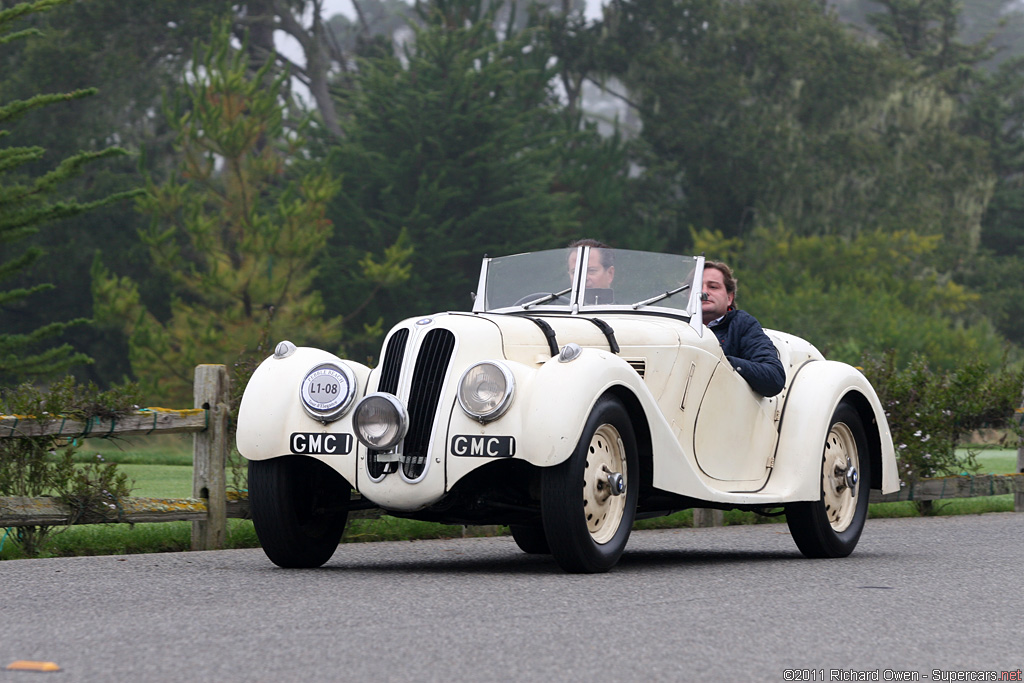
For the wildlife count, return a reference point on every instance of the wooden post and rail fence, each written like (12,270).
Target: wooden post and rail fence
(211,505)
(208,509)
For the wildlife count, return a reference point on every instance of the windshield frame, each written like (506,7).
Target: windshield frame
(574,304)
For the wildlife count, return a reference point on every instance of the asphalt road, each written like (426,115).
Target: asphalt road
(919,597)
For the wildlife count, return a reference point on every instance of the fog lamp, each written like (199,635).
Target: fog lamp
(380,421)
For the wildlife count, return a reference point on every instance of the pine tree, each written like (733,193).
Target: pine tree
(460,146)
(26,203)
(237,229)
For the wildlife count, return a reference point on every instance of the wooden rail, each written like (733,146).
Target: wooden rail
(145,421)
(18,511)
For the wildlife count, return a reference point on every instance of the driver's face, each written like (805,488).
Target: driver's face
(598,277)
(719,300)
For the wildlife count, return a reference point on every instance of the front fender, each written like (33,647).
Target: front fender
(561,398)
(812,398)
(551,407)
(271,410)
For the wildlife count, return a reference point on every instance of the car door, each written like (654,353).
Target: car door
(735,432)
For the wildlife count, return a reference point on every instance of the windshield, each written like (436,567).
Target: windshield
(583,278)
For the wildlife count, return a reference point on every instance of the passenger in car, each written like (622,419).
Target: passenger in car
(744,342)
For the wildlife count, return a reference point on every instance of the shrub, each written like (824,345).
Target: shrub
(931,413)
(34,467)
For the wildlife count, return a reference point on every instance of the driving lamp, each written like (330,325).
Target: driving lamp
(485,391)
(380,421)
(327,391)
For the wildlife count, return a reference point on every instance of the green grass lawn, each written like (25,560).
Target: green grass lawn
(159,466)
(159,481)
(998,461)
(125,539)
(159,449)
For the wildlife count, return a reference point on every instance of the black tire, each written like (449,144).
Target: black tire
(831,525)
(530,538)
(586,527)
(298,509)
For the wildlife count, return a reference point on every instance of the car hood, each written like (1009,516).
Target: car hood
(525,339)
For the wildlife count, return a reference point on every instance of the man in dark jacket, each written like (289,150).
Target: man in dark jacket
(744,343)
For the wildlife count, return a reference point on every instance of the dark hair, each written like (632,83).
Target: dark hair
(727,276)
(607,255)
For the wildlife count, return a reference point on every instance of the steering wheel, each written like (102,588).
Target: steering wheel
(539,295)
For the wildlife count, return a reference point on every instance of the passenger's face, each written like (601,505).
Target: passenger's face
(598,277)
(718,300)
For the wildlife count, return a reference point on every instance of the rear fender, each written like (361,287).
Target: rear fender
(813,396)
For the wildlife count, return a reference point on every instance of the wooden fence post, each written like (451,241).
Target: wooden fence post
(1018,498)
(705,517)
(209,456)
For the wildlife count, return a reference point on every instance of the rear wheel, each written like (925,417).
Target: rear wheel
(831,525)
(530,538)
(299,509)
(588,502)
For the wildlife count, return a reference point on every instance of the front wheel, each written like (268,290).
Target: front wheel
(831,525)
(588,502)
(299,509)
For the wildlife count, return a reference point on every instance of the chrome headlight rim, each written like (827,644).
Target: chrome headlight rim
(328,411)
(501,407)
(398,412)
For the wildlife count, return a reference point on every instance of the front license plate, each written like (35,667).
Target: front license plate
(478,446)
(307,443)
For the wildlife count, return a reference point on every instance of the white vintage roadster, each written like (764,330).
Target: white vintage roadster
(564,411)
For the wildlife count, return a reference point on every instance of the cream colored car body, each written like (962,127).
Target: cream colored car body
(702,433)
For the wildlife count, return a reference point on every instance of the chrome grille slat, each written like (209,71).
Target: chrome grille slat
(390,373)
(391,366)
(428,377)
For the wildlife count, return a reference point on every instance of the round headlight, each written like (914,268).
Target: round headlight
(327,391)
(485,391)
(380,421)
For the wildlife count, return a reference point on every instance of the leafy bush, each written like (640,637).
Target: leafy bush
(44,466)
(931,413)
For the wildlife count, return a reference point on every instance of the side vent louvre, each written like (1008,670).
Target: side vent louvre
(638,364)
